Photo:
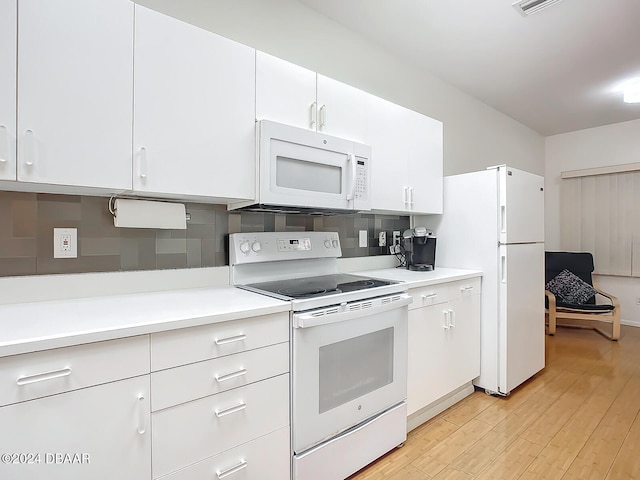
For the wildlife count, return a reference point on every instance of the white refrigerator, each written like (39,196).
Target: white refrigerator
(493,220)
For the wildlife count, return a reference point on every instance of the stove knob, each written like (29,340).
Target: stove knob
(335,243)
(244,247)
(327,243)
(256,247)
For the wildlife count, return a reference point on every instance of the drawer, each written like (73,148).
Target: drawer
(430,295)
(190,345)
(267,457)
(443,292)
(190,432)
(189,382)
(39,374)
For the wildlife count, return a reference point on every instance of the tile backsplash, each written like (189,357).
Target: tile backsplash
(27,221)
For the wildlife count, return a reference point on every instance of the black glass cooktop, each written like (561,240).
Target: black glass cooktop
(310,287)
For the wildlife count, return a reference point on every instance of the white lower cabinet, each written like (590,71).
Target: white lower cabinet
(444,341)
(220,400)
(100,432)
(264,458)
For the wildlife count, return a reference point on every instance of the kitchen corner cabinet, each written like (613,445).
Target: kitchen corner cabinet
(406,171)
(77,412)
(8,33)
(293,95)
(194,114)
(444,341)
(75,89)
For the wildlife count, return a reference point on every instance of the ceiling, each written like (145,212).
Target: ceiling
(556,71)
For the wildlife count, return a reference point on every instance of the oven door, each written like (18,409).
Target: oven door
(300,168)
(347,366)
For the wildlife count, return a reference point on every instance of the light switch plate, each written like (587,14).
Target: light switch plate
(65,243)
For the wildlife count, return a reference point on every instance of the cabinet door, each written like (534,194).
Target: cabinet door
(194,111)
(462,359)
(8,32)
(285,92)
(388,136)
(424,159)
(427,362)
(99,433)
(75,88)
(342,109)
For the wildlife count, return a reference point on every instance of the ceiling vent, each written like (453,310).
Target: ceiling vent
(529,7)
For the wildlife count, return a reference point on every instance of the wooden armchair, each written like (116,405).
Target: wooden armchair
(581,265)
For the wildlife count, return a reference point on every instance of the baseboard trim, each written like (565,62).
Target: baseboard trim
(428,412)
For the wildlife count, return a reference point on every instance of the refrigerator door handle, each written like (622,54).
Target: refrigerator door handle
(503,268)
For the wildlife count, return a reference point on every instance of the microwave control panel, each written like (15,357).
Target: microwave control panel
(361,179)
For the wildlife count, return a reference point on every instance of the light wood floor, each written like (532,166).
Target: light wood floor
(577,419)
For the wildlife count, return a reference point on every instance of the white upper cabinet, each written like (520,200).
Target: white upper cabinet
(8,33)
(406,159)
(293,95)
(75,89)
(194,127)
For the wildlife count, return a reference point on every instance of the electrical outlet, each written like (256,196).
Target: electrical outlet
(65,243)
(362,236)
(396,238)
(382,239)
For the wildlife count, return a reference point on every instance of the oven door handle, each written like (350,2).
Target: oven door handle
(341,313)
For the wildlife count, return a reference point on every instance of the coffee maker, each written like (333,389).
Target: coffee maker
(419,249)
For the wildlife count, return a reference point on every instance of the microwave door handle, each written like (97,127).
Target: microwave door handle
(352,195)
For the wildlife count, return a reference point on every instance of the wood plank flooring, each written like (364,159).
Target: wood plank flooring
(577,419)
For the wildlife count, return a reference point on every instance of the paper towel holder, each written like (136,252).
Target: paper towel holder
(139,213)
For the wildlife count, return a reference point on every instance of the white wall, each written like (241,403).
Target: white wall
(615,144)
(476,136)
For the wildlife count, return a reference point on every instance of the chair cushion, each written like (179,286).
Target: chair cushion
(568,288)
(585,307)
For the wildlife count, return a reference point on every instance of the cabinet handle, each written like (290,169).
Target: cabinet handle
(230,410)
(4,144)
(29,148)
(410,197)
(351,196)
(142,424)
(313,111)
(446,319)
(452,319)
(466,289)
(39,377)
(429,296)
(235,338)
(230,471)
(323,117)
(229,376)
(406,197)
(143,163)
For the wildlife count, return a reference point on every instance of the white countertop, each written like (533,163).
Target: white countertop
(33,326)
(421,279)
(30,326)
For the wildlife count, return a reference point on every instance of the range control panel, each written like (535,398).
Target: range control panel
(276,246)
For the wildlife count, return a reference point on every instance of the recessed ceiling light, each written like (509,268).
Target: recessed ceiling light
(529,7)
(632,92)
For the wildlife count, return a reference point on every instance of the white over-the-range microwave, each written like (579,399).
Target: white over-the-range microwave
(309,172)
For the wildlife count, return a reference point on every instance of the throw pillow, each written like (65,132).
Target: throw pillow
(569,288)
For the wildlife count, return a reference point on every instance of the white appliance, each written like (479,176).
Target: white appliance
(348,349)
(493,221)
(309,172)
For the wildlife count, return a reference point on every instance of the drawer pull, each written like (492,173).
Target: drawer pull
(466,289)
(142,424)
(229,376)
(235,338)
(40,377)
(232,470)
(429,296)
(230,410)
